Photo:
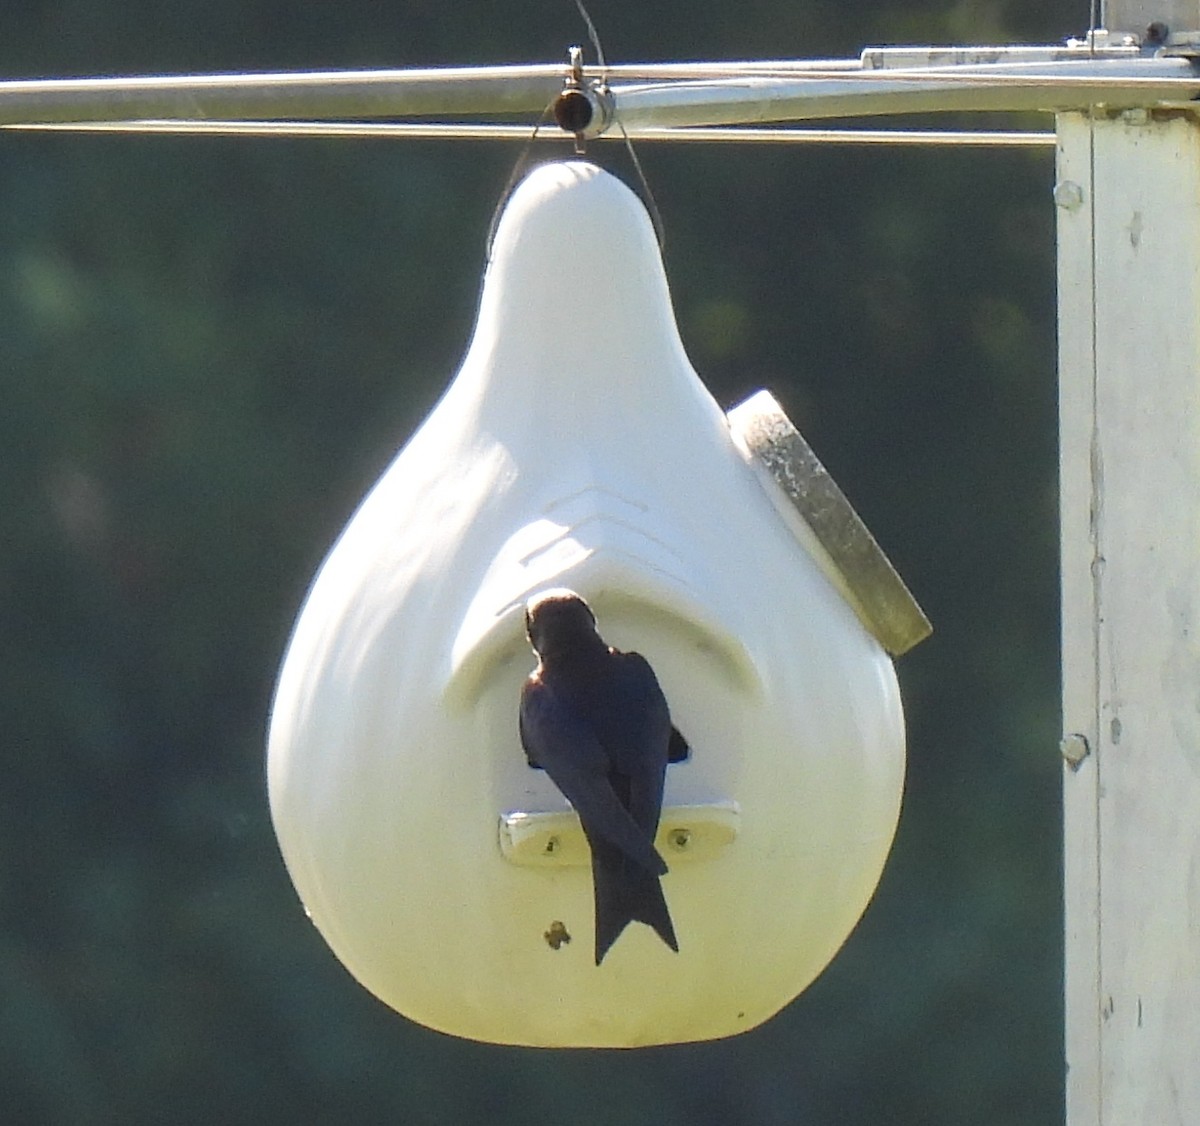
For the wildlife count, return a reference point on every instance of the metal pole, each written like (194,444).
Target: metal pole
(446,92)
(738,135)
(735,95)
(1129,290)
(1025,87)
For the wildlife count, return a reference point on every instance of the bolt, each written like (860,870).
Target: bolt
(680,838)
(557,935)
(1157,33)
(1068,195)
(1074,750)
(573,111)
(552,846)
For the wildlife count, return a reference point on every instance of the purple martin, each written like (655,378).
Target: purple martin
(595,719)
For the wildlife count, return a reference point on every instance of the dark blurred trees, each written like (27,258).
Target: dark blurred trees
(208,350)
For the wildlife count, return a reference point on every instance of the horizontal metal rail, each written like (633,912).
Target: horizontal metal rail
(406,130)
(316,95)
(1045,87)
(636,98)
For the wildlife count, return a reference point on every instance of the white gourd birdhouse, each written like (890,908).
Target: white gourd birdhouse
(578,448)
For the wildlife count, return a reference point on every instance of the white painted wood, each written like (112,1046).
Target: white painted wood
(1129,262)
(1076,282)
(1137,15)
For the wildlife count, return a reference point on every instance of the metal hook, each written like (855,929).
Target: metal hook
(573,108)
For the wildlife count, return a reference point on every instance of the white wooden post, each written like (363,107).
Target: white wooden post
(1128,196)
(1137,15)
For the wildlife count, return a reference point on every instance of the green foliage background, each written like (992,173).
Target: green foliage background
(209,348)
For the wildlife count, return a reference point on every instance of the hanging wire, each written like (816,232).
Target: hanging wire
(651,203)
(594,36)
(576,77)
(518,169)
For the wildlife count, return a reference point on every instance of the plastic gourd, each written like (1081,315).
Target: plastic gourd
(578,448)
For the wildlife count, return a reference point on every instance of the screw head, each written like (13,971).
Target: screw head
(1074,749)
(1068,195)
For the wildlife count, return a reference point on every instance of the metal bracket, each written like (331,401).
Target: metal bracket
(825,523)
(584,108)
(556,840)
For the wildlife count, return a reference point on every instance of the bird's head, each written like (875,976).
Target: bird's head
(559,621)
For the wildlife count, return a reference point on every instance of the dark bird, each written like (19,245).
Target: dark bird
(595,719)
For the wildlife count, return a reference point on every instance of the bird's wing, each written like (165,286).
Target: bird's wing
(679,751)
(557,740)
(645,742)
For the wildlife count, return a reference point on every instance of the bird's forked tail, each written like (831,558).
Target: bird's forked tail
(624,892)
